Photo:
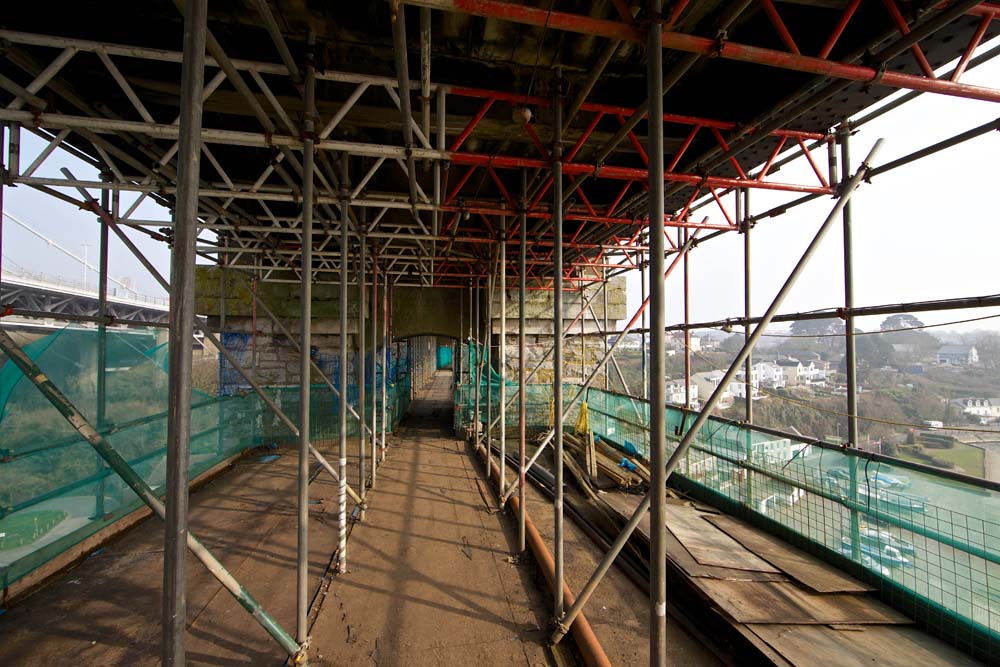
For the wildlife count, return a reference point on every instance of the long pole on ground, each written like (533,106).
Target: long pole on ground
(362,394)
(657,340)
(502,355)
(342,383)
(522,380)
(305,360)
(182,258)
(713,400)
(557,357)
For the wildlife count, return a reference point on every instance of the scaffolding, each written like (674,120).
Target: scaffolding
(534,189)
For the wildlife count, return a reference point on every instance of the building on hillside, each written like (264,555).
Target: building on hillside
(957,355)
(986,409)
(707,382)
(797,372)
(675,392)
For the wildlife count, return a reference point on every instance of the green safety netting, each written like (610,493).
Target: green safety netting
(929,541)
(55,491)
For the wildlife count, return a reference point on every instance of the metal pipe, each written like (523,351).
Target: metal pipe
(182,259)
(522,380)
(385,371)
(747,304)
(657,376)
(557,357)
(850,351)
(102,312)
(488,335)
(477,345)
(362,394)
(604,291)
(145,493)
(713,400)
(375,366)
(502,356)
(425,70)
(687,331)
(342,381)
(302,597)
(643,345)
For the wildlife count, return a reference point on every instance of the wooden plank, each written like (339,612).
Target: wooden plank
(801,566)
(782,602)
(883,645)
(709,545)
(624,504)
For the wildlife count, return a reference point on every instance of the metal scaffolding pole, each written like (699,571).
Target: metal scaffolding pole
(643,346)
(850,356)
(687,332)
(706,410)
(182,258)
(385,370)
(342,382)
(375,365)
(305,358)
(604,292)
(488,335)
(362,394)
(557,357)
(476,328)
(102,340)
(502,356)
(522,380)
(657,377)
(748,366)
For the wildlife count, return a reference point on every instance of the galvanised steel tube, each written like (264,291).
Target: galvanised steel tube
(342,380)
(475,327)
(502,357)
(703,415)
(375,363)
(557,357)
(385,370)
(362,394)
(657,343)
(488,335)
(302,597)
(182,258)
(403,74)
(522,380)
(145,493)
(748,366)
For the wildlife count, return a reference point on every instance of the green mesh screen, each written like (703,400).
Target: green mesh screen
(929,540)
(55,491)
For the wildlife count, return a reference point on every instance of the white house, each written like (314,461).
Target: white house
(769,374)
(796,372)
(675,392)
(987,409)
(708,381)
(957,355)
(738,389)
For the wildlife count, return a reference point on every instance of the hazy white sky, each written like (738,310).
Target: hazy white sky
(930,230)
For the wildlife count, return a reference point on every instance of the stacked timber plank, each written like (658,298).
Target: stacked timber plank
(603,463)
(794,608)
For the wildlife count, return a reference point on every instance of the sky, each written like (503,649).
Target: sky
(929,230)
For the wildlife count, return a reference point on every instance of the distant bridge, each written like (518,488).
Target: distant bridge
(29,295)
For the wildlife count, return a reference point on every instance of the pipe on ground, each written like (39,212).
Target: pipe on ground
(586,641)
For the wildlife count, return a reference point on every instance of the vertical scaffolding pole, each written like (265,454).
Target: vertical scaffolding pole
(375,364)
(687,331)
(502,355)
(604,293)
(305,360)
(182,258)
(385,370)
(557,331)
(477,330)
(102,339)
(850,360)
(362,394)
(488,328)
(643,347)
(657,388)
(342,383)
(522,379)
(748,366)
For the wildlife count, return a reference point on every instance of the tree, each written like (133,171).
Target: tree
(988,346)
(732,344)
(900,321)
(817,327)
(873,350)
